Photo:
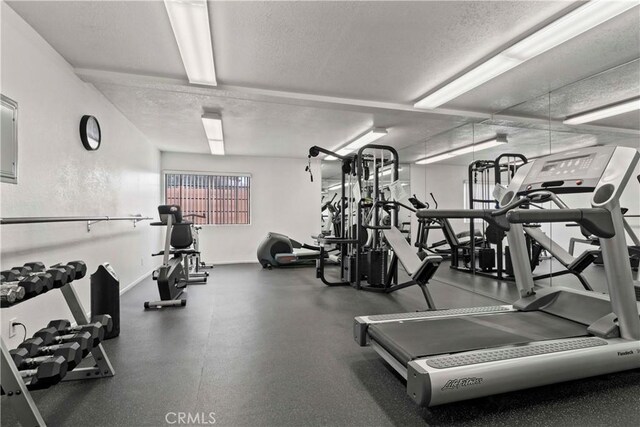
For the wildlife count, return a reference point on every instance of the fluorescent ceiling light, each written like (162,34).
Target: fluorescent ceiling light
(388,172)
(366,138)
(560,31)
(217,147)
(603,113)
(213,128)
(334,187)
(474,78)
(190,23)
(493,142)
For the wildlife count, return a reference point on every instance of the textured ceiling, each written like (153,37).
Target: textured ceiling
(608,45)
(126,36)
(171,119)
(373,58)
(611,86)
(387,51)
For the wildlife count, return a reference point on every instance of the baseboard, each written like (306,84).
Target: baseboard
(253,261)
(135,282)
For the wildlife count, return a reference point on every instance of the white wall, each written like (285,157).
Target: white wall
(283,200)
(58,177)
(446,182)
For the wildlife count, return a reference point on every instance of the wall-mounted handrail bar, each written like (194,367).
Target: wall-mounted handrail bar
(90,220)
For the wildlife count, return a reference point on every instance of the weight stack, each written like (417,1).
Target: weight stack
(487,258)
(377,260)
(105,296)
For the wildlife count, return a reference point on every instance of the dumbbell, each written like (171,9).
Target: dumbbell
(46,374)
(70,351)
(32,285)
(18,273)
(9,294)
(52,277)
(96,329)
(75,269)
(51,336)
(60,275)
(35,348)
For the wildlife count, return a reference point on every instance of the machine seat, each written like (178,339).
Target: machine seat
(419,270)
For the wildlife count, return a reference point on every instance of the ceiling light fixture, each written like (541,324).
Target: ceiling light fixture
(190,24)
(388,172)
(604,112)
(493,142)
(559,31)
(213,128)
(366,138)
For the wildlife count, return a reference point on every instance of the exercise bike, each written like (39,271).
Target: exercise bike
(172,276)
(196,265)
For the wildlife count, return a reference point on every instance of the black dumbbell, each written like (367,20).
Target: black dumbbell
(10,294)
(53,277)
(75,269)
(51,336)
(46,374)
(36,348)
(105,320)
(19,273)
(64,327)
(32,285)
(60,278)
(70,351)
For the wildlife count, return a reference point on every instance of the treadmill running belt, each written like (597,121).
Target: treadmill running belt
(410,340)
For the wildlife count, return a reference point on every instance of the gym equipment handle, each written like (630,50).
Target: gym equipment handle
(596,220)
(453,213)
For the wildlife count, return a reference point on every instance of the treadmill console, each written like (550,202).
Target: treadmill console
(573,171)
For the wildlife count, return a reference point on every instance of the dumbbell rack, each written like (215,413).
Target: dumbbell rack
(16,390)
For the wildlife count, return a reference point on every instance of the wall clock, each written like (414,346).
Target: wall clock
(90,132)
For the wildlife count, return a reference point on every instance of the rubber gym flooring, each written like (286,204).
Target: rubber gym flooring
(274,348)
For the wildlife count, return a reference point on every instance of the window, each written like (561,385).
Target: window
(222,199)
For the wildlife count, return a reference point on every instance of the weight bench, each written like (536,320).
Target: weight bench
(419,270)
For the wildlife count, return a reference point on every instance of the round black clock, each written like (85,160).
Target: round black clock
(90,132)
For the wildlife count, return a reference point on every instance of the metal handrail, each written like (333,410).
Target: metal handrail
(90,220)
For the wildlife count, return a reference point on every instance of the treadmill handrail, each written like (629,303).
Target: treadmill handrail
(485,214)
(597,221)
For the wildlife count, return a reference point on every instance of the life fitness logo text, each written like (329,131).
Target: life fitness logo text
(200,418)
(461,382)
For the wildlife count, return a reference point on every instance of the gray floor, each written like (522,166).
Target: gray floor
(274,348)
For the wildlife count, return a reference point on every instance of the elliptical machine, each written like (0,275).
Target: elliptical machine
(278,250)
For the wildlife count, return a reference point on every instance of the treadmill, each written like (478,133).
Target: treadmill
(547,336)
